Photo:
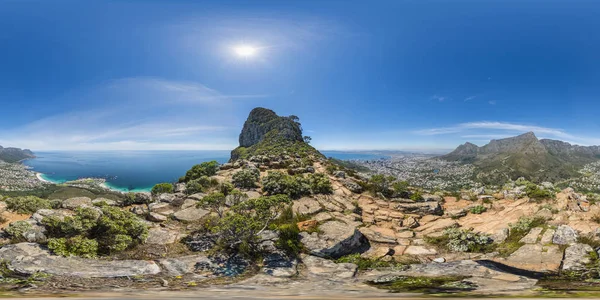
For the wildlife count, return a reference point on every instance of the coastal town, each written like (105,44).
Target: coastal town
(18,177)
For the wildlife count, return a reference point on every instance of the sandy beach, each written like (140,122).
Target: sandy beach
(40,178)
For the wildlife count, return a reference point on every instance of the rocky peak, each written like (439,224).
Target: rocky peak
(262,121)
(11,155)
(527,142)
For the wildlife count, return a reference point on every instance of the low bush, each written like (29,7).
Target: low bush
(208,169)
(246,178)
(461,240)
(417,196)
(381,184)
(161,188)
(27,204)
(201,184)
(277,183)
(320,183)
(478,209)
(16,230)
(112,229)
(535,192)
(369,263)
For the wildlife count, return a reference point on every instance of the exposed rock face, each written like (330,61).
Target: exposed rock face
(421,208)
(577,257)
(324,268)
(565,235)
(74,203)
(261,121)
(336,239)
(190,214)
(29,258)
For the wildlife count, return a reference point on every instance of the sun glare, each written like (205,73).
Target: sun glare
(245,51)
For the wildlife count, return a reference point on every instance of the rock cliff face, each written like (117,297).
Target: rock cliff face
(11,155)
(525,155)
(262,121)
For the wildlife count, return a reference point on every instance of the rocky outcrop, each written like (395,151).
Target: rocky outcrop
(577,257)
(334,240)
(261,121)
(326,269)
(74,203)
(11,155)
(29,258)
(565,235)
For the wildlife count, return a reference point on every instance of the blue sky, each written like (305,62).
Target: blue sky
(413,75)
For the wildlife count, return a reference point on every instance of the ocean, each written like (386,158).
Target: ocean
(135,170)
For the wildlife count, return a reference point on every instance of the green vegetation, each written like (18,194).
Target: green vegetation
(534,192)
(462,240)
(214,202)
(237,230)
(27,204)
(417,196)
(478,209)
(380,184)
(246,178)
(276,183)
(161,188)
(370,263)
(201,184)
(347,166)
(208,169)
(517,232)
(16,230)
(273,144)
(93,231)
(426,284)
(400,187)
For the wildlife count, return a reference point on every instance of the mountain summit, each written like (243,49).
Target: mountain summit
(11,155)
(527,156)
(266,133)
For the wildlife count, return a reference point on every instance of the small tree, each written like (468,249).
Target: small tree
(209,168)
(307,139)
(214,202)
(246,178)
(161,188)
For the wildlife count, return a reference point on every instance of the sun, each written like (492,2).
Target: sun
(245,51)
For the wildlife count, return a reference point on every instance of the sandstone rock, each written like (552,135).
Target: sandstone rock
(261,120)
(187,203)
(545,213)
(434,198)
(547,236)
(179,187)
(162,236)
(319,267)
(161,208)
(306,206)
(307,225)
(410,222)
(253,194)
(323,217)
(532,236)
(535,257)
(377,253)
(577,257)
(421,208)
(166,198)
(280,265)
(29,258)
(3,206)
(435,226)
(156,217)
(335,239)
(352,186)
(565,235)
(419,251)
(142,198)
(379,235)
(74,203)
(500,235)
(108,202)
(190,214)
(197,196)
(139,210)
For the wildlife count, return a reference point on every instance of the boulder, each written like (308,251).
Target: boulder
(339,174)
(166,198)
(306,206)
(180,187)
(421,208)
(30,258)
(327,269)
(162,236)
(156,217)
(352,186)
(577,257)
(187,203)
(377,253)
(335,239)
(410,222)
(142,198)
(190,214)
(197,196)
(565,235)
(419,251)
(500,235)
(545,214)
(535,257)
(74,203)
(161,208)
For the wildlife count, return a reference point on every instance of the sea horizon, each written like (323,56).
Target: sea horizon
(137,170)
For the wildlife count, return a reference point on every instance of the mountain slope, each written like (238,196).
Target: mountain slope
(526,156)
(11,155)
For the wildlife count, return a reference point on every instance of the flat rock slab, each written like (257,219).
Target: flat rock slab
(532,236)
(306,206)
(190,214)
(535,257)
(335,239)
(29,258)
(163,236)
(321,267)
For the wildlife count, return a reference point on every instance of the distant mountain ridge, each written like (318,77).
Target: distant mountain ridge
(11,155)
(527,156)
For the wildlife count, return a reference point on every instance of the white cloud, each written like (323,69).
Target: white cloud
(439,98)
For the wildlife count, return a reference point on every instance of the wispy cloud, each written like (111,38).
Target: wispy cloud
(492,102)
(145,112)
(471,98)
(496,130)
(440,98)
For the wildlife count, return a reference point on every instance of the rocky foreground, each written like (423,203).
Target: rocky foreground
(349,234)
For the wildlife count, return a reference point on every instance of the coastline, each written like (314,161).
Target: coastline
(103,185)
(40,178)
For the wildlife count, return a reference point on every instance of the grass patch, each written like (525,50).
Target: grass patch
(517,232)
(371,264)
(428,285)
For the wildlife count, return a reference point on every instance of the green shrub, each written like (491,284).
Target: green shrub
(276,183)
(369,263)
(524,225)
(381,184)
(246,178)
(74,246)
(201,184)
(208,169)
(214,202)
(534,192)
(400,187)
(27,204)
(161,188)
(417,196)
(226,188)
(320,184)
(479,209)
(90,232)
(289,239)
(461,240)
(16,230)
